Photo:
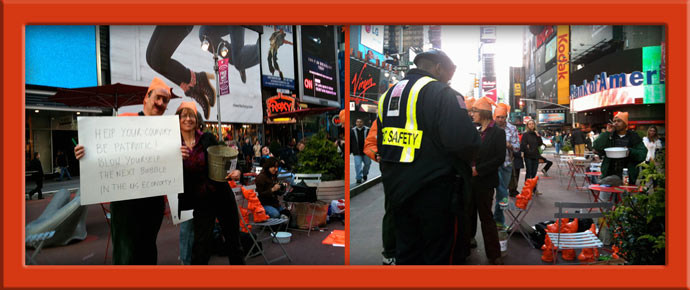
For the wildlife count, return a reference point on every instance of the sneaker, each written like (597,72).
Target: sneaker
(364,178)
(359,181)
(283,217)
(503,203)
(500,226)
(544,171)
(536,192)
(388,261)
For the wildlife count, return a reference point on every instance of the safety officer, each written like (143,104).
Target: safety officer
(424,136)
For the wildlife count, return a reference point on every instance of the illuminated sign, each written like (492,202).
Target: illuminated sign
(603,82)
(280,104)
(336,120)
(551,118)
(544,35)
(364,82)
(517,89)
(318,65)
(487,34)
(563,64)
(371,36)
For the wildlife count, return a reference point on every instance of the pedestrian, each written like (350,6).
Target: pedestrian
(257,150)
(485,178)
(61,161)
(247,150)
(558,142)
(425,137)
(531,141)
(547,166)
(578,141)
(652,142)
(618,135)
(37,176)
(210,199)
(505,172)
(269,188)
(135,223)
(357,136)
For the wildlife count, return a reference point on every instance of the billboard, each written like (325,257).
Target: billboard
(71,61)
(278,57)
(318,72)
(563,64)
(371,36)
(174,54)
(551,118)
(487,34)
(585,36)
(539,57)
(550,53)
(364,81)
(547,86)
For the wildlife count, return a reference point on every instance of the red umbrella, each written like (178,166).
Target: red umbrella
(112,96)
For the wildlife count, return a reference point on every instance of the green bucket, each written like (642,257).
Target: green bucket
(221,159)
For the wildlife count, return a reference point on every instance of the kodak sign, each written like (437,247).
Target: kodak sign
(563,64)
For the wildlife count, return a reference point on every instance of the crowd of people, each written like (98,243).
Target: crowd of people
(444,157)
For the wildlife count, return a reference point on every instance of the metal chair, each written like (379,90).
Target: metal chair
(581,240)
(518,215)
(270,223)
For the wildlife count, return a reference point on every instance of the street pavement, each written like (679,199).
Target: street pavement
(367,212)
(374,171)
(303,248)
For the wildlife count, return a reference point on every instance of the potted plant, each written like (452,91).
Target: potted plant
(638,223)
(320,155)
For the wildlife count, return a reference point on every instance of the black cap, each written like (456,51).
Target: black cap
(434,55)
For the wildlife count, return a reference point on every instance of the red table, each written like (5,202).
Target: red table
(596,189)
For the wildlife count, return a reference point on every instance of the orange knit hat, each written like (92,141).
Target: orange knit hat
(469,102)
(502,109)
(621,115)
(484,103)
(189,105)
(157,83)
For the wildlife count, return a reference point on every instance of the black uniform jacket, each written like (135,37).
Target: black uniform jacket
(490,157)
(449,142)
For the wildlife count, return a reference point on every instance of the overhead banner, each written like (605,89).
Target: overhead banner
(175,55)
(371,36)
(129,158)
(278,57)
(563,64)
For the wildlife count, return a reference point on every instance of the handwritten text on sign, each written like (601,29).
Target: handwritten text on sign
(129,158)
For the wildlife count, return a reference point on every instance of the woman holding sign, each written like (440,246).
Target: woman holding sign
(208,198)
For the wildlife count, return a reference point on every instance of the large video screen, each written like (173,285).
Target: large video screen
(71,61)
(551,118)
(319,81)
(175,55)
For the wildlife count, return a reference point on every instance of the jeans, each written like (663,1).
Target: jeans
(531,166)
(64,170)
(272,211)
(359,159)
(186,241)
(504,175)
(558,148)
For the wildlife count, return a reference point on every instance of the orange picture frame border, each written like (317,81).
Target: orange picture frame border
(16,14)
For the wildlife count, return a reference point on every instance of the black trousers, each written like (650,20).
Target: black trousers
(425,226)
(39,187)
(135,224)
(221,205)
(482,203)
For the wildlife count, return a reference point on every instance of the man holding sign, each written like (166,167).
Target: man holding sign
(135,222)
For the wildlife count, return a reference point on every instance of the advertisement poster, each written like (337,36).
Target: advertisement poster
(278,57)
(551,118)
(129,158)
(364,81)
(563,64)
(319,66)
(175,54)
(372,37)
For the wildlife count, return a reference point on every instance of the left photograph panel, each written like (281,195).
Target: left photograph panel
(184,145)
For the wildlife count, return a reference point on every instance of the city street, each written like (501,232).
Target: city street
(367,212)
(303,249)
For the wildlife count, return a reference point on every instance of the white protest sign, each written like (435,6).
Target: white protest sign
(183,216)
(129,158)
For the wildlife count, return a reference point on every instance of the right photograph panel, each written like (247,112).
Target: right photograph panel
(507,145)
